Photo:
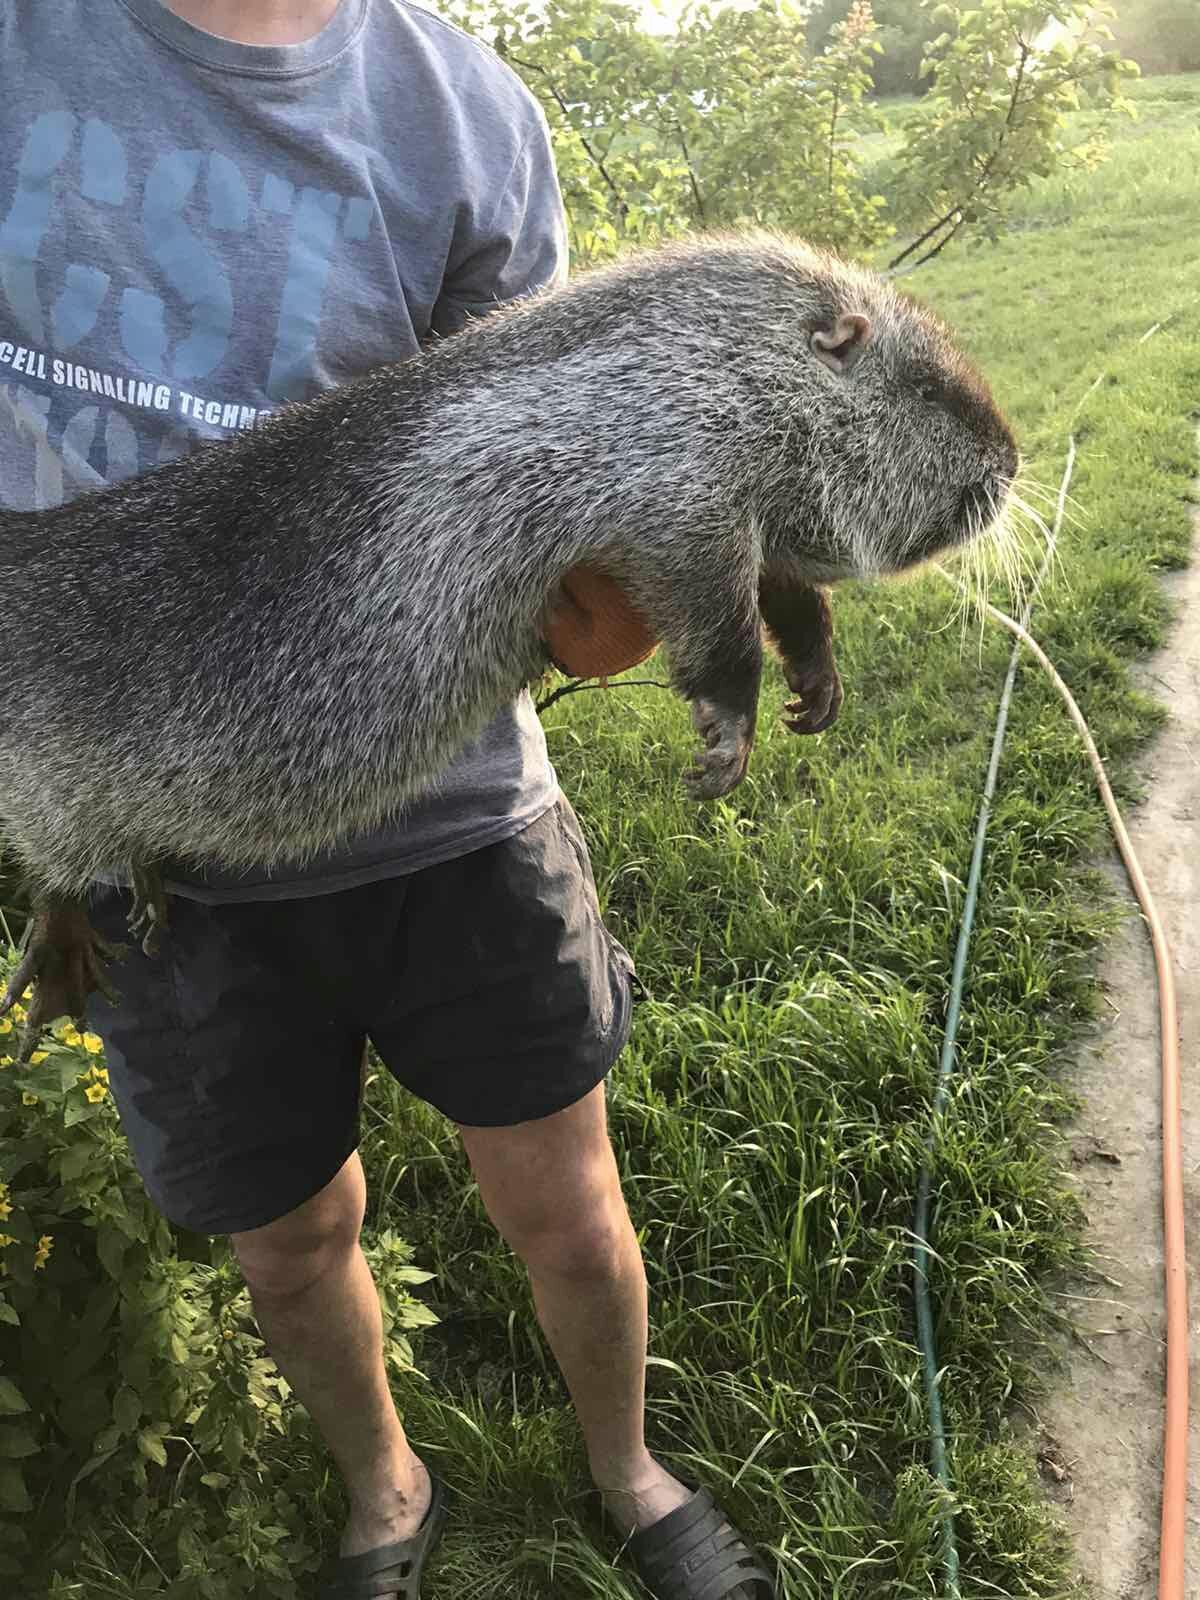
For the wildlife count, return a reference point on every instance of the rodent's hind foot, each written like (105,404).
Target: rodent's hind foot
(721,765)
(148,913)
(64,961)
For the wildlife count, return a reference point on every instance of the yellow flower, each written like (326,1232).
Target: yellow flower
(28,1099)
(5,1211)
(28,995)
(101,1073)
(5,1240)
(95,1092)
(5,1024)
(5,1061)
(71,1035)
(93,1043)
(42,1254)
(18,1013)
(37,1056)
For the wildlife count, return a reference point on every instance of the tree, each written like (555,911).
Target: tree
(728,121)
(769,131)
(733,119)
(997,114)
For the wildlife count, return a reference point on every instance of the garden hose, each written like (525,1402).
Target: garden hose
(926,1339)
(1174,1479)
(1175,1428)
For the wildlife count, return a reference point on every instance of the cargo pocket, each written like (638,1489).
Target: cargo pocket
(619,958)
(623,961)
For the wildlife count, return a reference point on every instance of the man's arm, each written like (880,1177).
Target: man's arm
(521,248)
(799,623)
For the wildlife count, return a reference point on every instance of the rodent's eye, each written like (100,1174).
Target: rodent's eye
(931,390)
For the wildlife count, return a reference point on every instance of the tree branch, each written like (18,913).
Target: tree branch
(960,208)
(696,195)
(833,116)
(917,243)
(593,155)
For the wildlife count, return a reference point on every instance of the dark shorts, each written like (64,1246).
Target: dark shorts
(488,985)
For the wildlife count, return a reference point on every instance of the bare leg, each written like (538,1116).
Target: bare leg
(553,1190)
(318,1309)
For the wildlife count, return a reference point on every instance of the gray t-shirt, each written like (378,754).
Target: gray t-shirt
(194,232)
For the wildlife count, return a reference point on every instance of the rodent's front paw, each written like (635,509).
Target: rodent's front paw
(820,700)
(722,764)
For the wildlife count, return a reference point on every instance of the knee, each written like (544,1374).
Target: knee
(595,1244)
(290,1255)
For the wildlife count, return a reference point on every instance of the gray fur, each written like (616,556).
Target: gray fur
(251,653)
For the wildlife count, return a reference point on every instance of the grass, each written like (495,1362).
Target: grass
(796,942)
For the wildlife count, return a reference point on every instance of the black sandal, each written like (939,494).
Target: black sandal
(392,1568)
(696,1553)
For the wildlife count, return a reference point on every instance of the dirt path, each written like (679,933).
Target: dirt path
(1101,1433)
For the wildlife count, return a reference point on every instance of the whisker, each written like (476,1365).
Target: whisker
(1051,495)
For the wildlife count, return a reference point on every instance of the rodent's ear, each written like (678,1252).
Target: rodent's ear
(840,346)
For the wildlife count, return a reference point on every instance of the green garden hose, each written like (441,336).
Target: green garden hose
(926,1339)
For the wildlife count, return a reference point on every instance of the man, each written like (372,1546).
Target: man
(214,207)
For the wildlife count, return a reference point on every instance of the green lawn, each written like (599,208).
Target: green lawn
(797,942)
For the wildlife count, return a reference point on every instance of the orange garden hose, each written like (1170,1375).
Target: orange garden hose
(1175,1437)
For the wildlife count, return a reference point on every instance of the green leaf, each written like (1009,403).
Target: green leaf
(81,1110)
(13,1494)
(9,1314)
(11,1398)
(110,1247)
(215,1480)
(99,1460)
(410,1275)
(127,1409)
(16,1441)
(74,1162)
(151,1446)
(415,1315)
(18,1155)
(233,1445)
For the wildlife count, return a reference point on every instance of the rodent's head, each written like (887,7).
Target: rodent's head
(893,449)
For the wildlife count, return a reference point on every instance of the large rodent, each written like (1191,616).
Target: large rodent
(253,652)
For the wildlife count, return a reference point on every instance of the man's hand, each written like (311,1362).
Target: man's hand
(593,631)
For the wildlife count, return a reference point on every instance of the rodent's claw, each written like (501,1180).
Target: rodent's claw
(821,701)
(148,910)
(721,766)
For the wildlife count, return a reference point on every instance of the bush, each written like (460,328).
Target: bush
(129,1357)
